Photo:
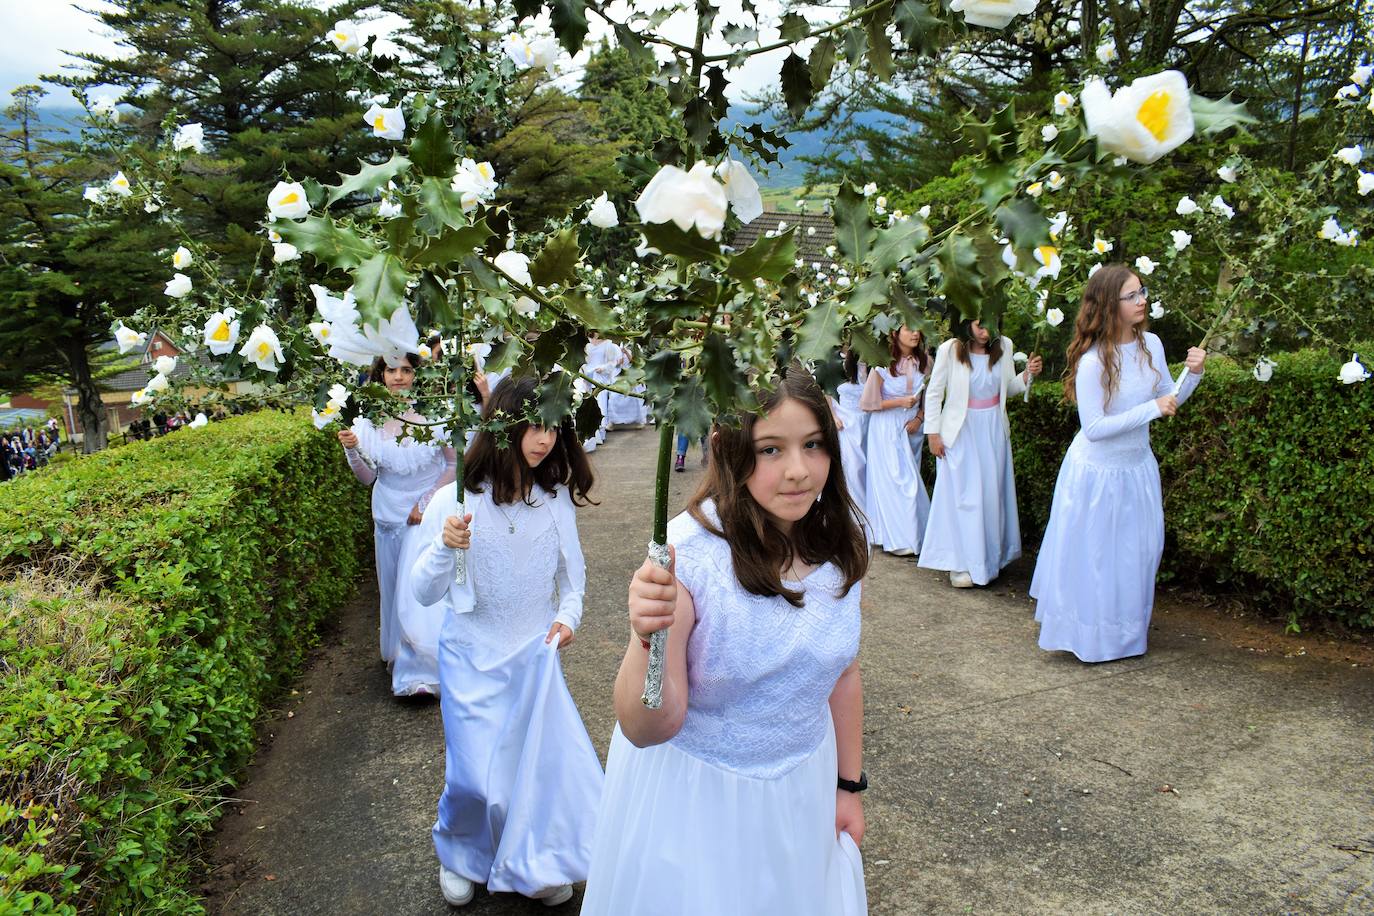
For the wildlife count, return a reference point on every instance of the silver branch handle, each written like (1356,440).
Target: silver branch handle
(460,557)
(658,642)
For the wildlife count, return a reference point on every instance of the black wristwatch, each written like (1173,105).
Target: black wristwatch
(850,785)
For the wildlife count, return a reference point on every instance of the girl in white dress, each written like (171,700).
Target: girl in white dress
(1095,578)
(521,779)
(738,796)
(603,361)
(896,502)
(404,476)
(852,422)
(624,409)
(973,532)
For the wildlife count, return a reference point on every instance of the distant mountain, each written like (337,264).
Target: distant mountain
(789,171)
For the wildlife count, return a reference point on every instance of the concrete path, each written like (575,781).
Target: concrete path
(1201,778)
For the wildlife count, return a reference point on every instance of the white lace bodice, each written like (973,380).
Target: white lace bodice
(405,469)
(1117,431)
(848,395)
(759,671)
(514,573)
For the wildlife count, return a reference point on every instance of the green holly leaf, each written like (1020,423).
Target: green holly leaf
(896,243)
(590,312)
(555,398)
(628,39)
(1022,221)
(870,291)
(1212,116)
(434,308)
(484,275)
(453,245)
(820,330)
(432,149)
(440,206)
(960,283)
(725,382)
(879,47)
(698,120)
(587,419)
(821,62)
(862,341)
(739,34)
(327,241)
(915,23)
(662,371)
(569,21)
(669,239)
(689,411)
(768,258)
(368,180)
(854,233)
(996,182)
(797,90)
(557,260)
(379,284)
(793,27)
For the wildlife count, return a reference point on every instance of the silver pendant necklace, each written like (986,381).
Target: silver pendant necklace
(510,522)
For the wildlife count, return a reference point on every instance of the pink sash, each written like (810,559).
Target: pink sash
(983,403)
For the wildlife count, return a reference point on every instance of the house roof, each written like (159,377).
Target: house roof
(815,232)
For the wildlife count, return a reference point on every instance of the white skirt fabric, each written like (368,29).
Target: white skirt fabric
(415,665)
(680,837)
(852,456)
(522,781)
(973,525)
(621,409)
(896,501)
(1095,579)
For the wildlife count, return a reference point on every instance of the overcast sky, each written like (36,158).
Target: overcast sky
(36,32)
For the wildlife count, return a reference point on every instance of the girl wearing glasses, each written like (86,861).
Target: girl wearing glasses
(1095,579)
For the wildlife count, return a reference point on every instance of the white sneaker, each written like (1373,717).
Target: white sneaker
(902,552)
(555,896)
(960,579)
(457,890)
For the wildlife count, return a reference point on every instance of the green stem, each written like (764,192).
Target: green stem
(661,478)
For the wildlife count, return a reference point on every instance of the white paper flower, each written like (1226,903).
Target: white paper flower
(157,384)
(394,337)
(526,306)
(475,181)
(282,252)
(151,206)
(1063,102)
(200,421)
(1019,357)
(1059,224)
(1144,265)
(1157,311)
(119,184)
(288,201)
(602,213)
(1009,256)
(1347,93)
(1330,230)
(388,208)
(992,14)
(181,258)
(1048,133)
(1353,371)
(93,194)
(128,339)
(273,236)
(1351,155)
(345,37)
(1348,239)
(924,212)
(1365,183)
(338,394)
(870,189)
(322,418)
(741,190)
(1143,121)
(1035,188)
(320,330)
(1054,317)
(1094,269)
(1186,206)
(263,349)
(222,332)
(1106,52)
(1361,74)
(1227,174)
(386,123)
(140,397)
(179,287)
(1181,239)
(1221,208)
(514,265)
(189,136)
(1050,264)
(165,365)
(1102,246)
(1264,369)
(687,199)
(105,108)
(1055,181)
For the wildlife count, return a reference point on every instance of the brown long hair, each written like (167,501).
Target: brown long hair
(962,330)
(1099,325)
(503,467)
(829,532)
(894,348)
(378,371)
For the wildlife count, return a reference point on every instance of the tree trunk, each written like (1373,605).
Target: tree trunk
(90,410)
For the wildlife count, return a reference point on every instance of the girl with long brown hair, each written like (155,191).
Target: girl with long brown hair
(896,502)
(740,794)
(973,532)
(1095,578)
(404,476)
(521,778)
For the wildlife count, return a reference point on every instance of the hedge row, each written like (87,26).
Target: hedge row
(1268,487)
(152,599)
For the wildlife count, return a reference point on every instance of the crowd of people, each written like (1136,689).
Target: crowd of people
(741,792)
(28,449)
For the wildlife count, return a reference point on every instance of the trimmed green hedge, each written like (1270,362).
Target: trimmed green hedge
(154,599)
(1268,487)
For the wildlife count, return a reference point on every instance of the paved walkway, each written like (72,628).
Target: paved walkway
(1201,778)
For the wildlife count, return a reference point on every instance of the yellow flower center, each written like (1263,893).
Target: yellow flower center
(289,198)
(485,170)
(341,37)
(324,332)
(379,122)
(222,332)
(263,350)
(1154,114)
(1047,254)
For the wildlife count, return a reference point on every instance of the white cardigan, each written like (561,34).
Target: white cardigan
(947,390)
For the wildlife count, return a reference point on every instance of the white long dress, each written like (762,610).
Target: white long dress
(1095,579)
(522,781)
(603,361)
(406,474)
(973,525)
(895,501)
(853,440)
(735,815)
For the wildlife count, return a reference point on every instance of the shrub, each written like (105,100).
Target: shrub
(158,596)
(1267,486)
